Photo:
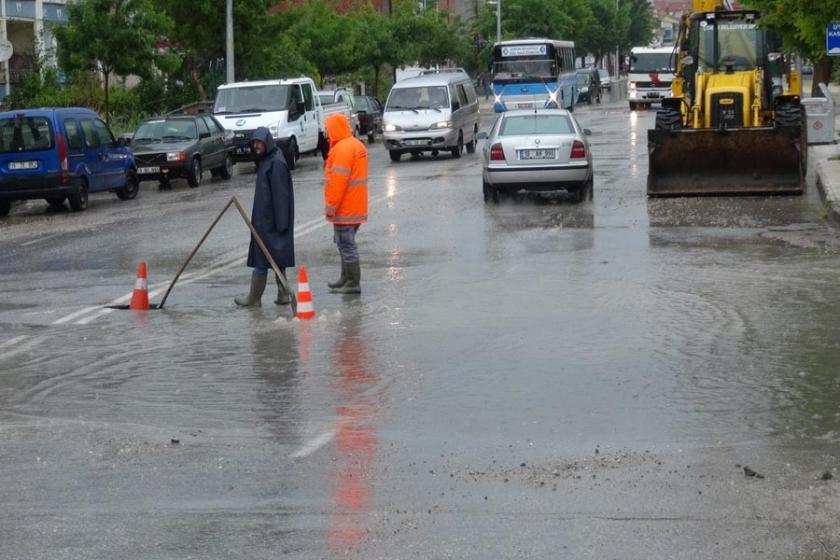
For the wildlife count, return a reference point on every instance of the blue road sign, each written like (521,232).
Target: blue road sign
(832,38)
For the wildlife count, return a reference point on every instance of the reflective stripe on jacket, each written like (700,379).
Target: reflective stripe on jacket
(346,174)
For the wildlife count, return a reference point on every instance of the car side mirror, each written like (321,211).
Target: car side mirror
(456,105)
(481,136)
(123,142)
(204,135)
(587,132)
(688,61)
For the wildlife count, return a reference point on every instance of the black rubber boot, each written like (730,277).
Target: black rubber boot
(283,297)
(354,278)
(254,297)
(342,280)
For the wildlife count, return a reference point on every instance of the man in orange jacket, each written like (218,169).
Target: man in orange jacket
(346,198)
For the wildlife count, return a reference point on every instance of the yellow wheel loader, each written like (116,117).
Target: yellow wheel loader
(733,124)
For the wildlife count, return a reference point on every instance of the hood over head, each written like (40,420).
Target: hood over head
(338,128)
(263,135)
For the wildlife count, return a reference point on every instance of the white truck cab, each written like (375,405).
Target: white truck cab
(288,108)
(650,76)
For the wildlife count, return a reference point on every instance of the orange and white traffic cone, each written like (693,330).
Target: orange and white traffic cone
(305,308)
(140,295)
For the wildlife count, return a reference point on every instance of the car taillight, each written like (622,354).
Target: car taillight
(497,153)
(61,143)
(578,150)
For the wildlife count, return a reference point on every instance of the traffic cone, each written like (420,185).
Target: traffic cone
(305,309)
(140,295)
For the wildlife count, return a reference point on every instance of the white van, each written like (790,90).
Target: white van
(288,108)
(434,112)
(650,76)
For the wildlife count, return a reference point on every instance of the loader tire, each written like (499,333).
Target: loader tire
(788,114)
(792,115)
(668,119)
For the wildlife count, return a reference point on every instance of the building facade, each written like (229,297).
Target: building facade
(27,25)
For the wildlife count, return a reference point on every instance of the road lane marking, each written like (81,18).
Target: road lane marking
(40,239)
(23,347)
(13,341)
(75,314)
(313,445)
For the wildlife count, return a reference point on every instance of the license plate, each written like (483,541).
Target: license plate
(653,95)
(244,150)
(537,154)
(415,142)
(524,105)
(148,170)
(23,165)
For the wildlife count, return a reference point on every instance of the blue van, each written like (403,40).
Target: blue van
(61,154)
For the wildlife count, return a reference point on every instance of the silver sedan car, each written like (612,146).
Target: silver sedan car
(542,150)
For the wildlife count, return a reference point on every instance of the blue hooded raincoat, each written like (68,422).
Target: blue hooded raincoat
(273,214)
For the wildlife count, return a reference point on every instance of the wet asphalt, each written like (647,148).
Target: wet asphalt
(538,379)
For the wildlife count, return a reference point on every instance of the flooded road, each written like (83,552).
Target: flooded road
(538,379)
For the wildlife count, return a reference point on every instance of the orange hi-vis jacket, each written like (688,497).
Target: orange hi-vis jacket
(346,190)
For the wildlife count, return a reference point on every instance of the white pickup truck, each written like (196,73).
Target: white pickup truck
(288,108)
(340,101)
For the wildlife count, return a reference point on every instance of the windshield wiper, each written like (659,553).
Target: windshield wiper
(149,140)
(177,137)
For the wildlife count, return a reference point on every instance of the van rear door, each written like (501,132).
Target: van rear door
(27,151)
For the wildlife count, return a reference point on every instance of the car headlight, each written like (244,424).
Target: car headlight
(274,130)
(176,156)
(631,86)
(391,128)
(441,124)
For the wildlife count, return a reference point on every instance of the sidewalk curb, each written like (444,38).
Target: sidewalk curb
(828,182)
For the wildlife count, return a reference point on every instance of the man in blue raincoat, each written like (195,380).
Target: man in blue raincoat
(273,217)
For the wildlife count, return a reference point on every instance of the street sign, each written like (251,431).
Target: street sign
(5,50)
(832,39)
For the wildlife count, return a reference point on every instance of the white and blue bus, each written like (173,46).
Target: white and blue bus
(533,74)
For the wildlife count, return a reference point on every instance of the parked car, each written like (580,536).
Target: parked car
(589,86)
(542,150)
(182,146)
(606,81)
(434,112)
(61,154)
(289,109)
(370,117)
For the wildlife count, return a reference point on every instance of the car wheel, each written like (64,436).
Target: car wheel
(5,207)
(490,192)
(131,188)
(226,171)
(371,138)
(56,201)
(632,105)
(323,146)
(79,199)
(395,155)
(471,145)
(456,151)
(194,175)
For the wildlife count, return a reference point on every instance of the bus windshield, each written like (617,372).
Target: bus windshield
(645,63)
(736,42)
(518,69)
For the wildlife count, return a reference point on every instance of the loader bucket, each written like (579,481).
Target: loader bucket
(746,161)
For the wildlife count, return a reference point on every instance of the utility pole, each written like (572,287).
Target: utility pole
(498,21)
(230,76)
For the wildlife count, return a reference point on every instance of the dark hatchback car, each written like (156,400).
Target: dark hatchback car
(589,86)
(370,116)
(182,146)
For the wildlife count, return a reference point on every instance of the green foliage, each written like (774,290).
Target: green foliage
(114,36)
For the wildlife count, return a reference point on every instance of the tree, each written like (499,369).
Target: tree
(802,25)
(113,37)
(379,44)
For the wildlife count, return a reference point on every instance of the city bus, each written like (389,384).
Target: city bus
(533,74)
